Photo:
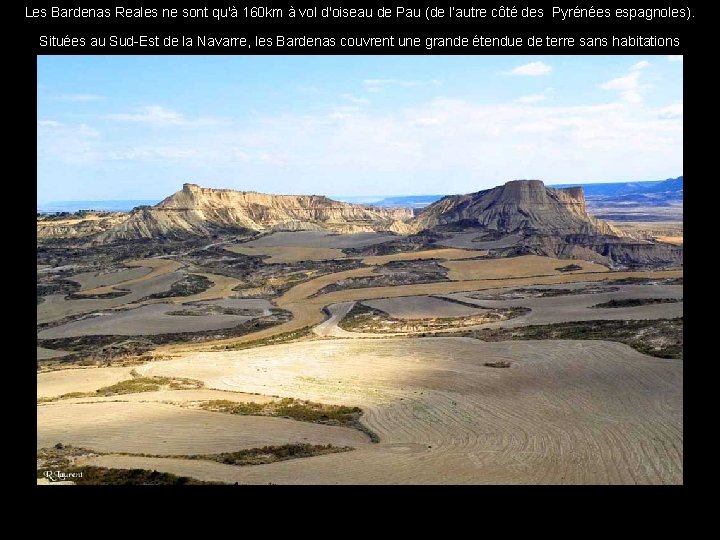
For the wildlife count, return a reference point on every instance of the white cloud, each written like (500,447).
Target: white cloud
(675,58)
(640,65)
(376,85)
(74,144)
(533,69)
(310,90)
(160,116)
(354,99)
(425,121)
(628,86)
(530,99)
(152,114)
(629,81)
(78,98)
(535,98)
(440,135)
(671,112)
(343,112)
(447,140)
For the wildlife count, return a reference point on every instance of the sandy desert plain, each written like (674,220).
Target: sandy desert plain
(315,358)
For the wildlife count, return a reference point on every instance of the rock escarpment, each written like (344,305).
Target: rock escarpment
(550,221)
(78,227)
(519,206)
(201,211)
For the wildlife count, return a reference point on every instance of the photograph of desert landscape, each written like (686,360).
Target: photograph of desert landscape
(359,270)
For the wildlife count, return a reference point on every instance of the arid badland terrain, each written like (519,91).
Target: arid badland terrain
(500,337)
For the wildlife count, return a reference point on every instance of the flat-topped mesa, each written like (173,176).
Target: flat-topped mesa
(519,206)
(196,210)
(194,196)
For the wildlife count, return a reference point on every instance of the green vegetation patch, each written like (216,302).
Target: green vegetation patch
(644,281)
(569,268)
(132,386)
(116,293)
(662,338)
(187,286)
(271,454)
(295,409)
(538,292)
(363,318)
(305,411)
(635,302)
(284,337)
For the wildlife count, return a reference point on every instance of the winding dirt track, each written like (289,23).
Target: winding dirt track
(564,412)
(309,311)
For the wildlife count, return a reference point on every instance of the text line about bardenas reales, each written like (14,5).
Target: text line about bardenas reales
(332,12)
(259,12)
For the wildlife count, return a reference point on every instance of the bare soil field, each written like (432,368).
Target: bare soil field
(564,412)
(159,428)
(56,307)
(670,232)
(450,254)
(320,239)
(284,254)
(421,307)
(93,280)
(57,383)
(526,265)
(159,267)
(677,240)
(44,354)
(556,309)
(142,321)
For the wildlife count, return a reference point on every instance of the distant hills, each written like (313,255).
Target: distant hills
(103,206)
(652,191)
(407,201)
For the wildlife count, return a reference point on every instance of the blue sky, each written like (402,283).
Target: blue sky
(138,127)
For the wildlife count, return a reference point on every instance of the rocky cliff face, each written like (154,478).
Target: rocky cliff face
(551,222)
(78,227)
(201,211)
(519,206)
(603,249)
